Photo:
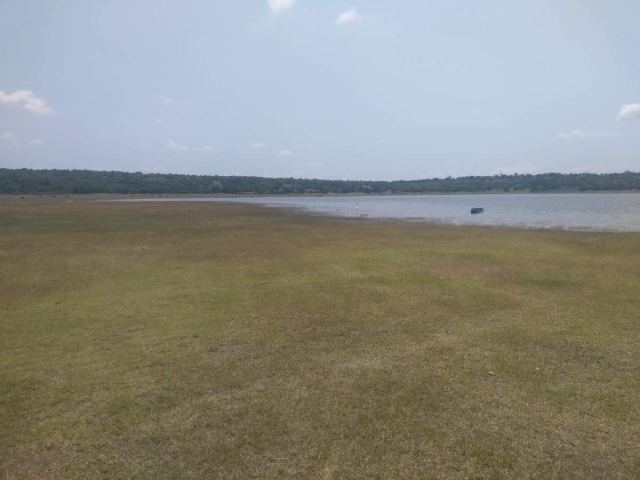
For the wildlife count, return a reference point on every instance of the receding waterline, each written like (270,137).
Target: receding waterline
(602,212)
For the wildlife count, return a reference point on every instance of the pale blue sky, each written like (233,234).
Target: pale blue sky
(368,89)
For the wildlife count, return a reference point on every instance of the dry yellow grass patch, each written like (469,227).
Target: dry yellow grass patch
(229,341)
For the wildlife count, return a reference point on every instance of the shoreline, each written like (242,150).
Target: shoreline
(382,216)
(415,220)
(310,195)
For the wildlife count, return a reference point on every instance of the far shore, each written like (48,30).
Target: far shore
(297,195)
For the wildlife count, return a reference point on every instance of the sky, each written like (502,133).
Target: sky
(369,89)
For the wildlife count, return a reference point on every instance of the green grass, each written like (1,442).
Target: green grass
(231,341)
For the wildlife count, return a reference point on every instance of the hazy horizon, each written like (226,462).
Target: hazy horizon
(365,90)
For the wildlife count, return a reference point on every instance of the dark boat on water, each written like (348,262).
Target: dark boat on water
(477,210)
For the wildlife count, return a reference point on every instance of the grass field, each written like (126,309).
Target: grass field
(231,341)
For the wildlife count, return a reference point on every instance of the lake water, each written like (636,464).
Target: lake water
(614,212)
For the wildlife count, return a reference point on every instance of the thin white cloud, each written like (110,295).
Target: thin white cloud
(25,100)
(629,111)
(158,122)
(167,101)
(286,153)
(348,16)
(177,147)
(314,165)
(578,134)
(277,5)
(208,149)
(36,142)
(257,145)
(8,139)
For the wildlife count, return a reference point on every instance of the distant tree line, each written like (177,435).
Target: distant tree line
(26,181)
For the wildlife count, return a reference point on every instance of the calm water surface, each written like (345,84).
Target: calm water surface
(617,212)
